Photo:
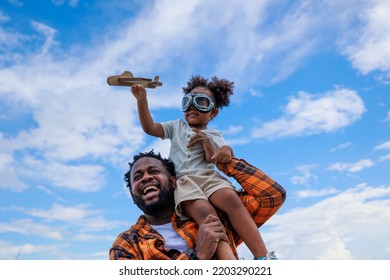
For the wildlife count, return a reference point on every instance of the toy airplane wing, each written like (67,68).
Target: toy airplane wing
(127,79)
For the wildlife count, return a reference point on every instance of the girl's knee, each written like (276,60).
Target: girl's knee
(198,209)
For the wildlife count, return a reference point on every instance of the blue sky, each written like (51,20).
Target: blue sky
(311,108)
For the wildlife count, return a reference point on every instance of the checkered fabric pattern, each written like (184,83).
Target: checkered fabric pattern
(261,195)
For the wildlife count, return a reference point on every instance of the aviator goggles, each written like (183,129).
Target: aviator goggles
(201,102)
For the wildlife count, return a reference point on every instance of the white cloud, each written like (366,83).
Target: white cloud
(233,130)
(306,175)
(234,136)
(8,174)
(341,146)
(383,146)
(72,3)
(371,51)
(159,146)
(17,3)
(77,223)
(3,18)
(61,213)
(89,237)
(387,119)
(308,193)
(80,215)
(49,34)
(11,251)
(351,167)
(353,224)
(80,177)
(30,228)
(385,158)
(308,114)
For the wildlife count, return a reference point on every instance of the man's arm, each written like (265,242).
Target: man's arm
(121,249)
(209,233)
(263,197)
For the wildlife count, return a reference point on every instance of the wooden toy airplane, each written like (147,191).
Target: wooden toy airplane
(127,79)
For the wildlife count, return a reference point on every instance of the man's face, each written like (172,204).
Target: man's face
(152,186)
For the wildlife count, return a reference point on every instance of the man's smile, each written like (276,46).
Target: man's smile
(150,192)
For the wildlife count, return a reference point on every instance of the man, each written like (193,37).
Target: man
(160,234)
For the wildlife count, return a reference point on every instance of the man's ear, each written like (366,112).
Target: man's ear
(214,113)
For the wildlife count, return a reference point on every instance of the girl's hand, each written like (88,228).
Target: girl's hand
(139,92)
(223,155)
(198,138)
(208,144)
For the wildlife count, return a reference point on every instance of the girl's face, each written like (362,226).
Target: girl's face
(198,119)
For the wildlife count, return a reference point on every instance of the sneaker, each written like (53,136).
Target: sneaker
(270,256)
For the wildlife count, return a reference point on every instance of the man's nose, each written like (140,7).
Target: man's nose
(147,176)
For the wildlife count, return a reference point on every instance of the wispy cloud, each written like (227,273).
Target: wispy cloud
(351,167)
(80,215)
(28,227)
(309,193)
(306,177)
(9,174)
(387,119)
(341,146)
(385,158)
(71,3)
(233,130)
(11,251)
(80,177)
(383,146)
(308,114)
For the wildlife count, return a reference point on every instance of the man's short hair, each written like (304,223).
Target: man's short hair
(169,165)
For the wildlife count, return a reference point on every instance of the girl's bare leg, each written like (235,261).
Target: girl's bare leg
(229,202)
(198,210)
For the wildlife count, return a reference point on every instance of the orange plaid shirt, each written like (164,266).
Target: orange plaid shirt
(261,195)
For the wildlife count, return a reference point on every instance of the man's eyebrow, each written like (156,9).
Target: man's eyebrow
(153,166)
(147,168)
(136,171)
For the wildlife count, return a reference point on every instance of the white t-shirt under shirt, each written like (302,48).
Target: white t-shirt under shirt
(172,239)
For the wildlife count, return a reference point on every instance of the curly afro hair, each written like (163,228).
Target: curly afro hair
(222,89)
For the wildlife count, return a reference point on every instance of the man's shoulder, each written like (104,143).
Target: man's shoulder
(127,234)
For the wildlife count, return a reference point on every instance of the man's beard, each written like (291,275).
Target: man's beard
(165,201)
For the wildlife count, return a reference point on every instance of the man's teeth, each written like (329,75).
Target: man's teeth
(149,188)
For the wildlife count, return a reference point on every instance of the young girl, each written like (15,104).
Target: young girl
(194,150)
